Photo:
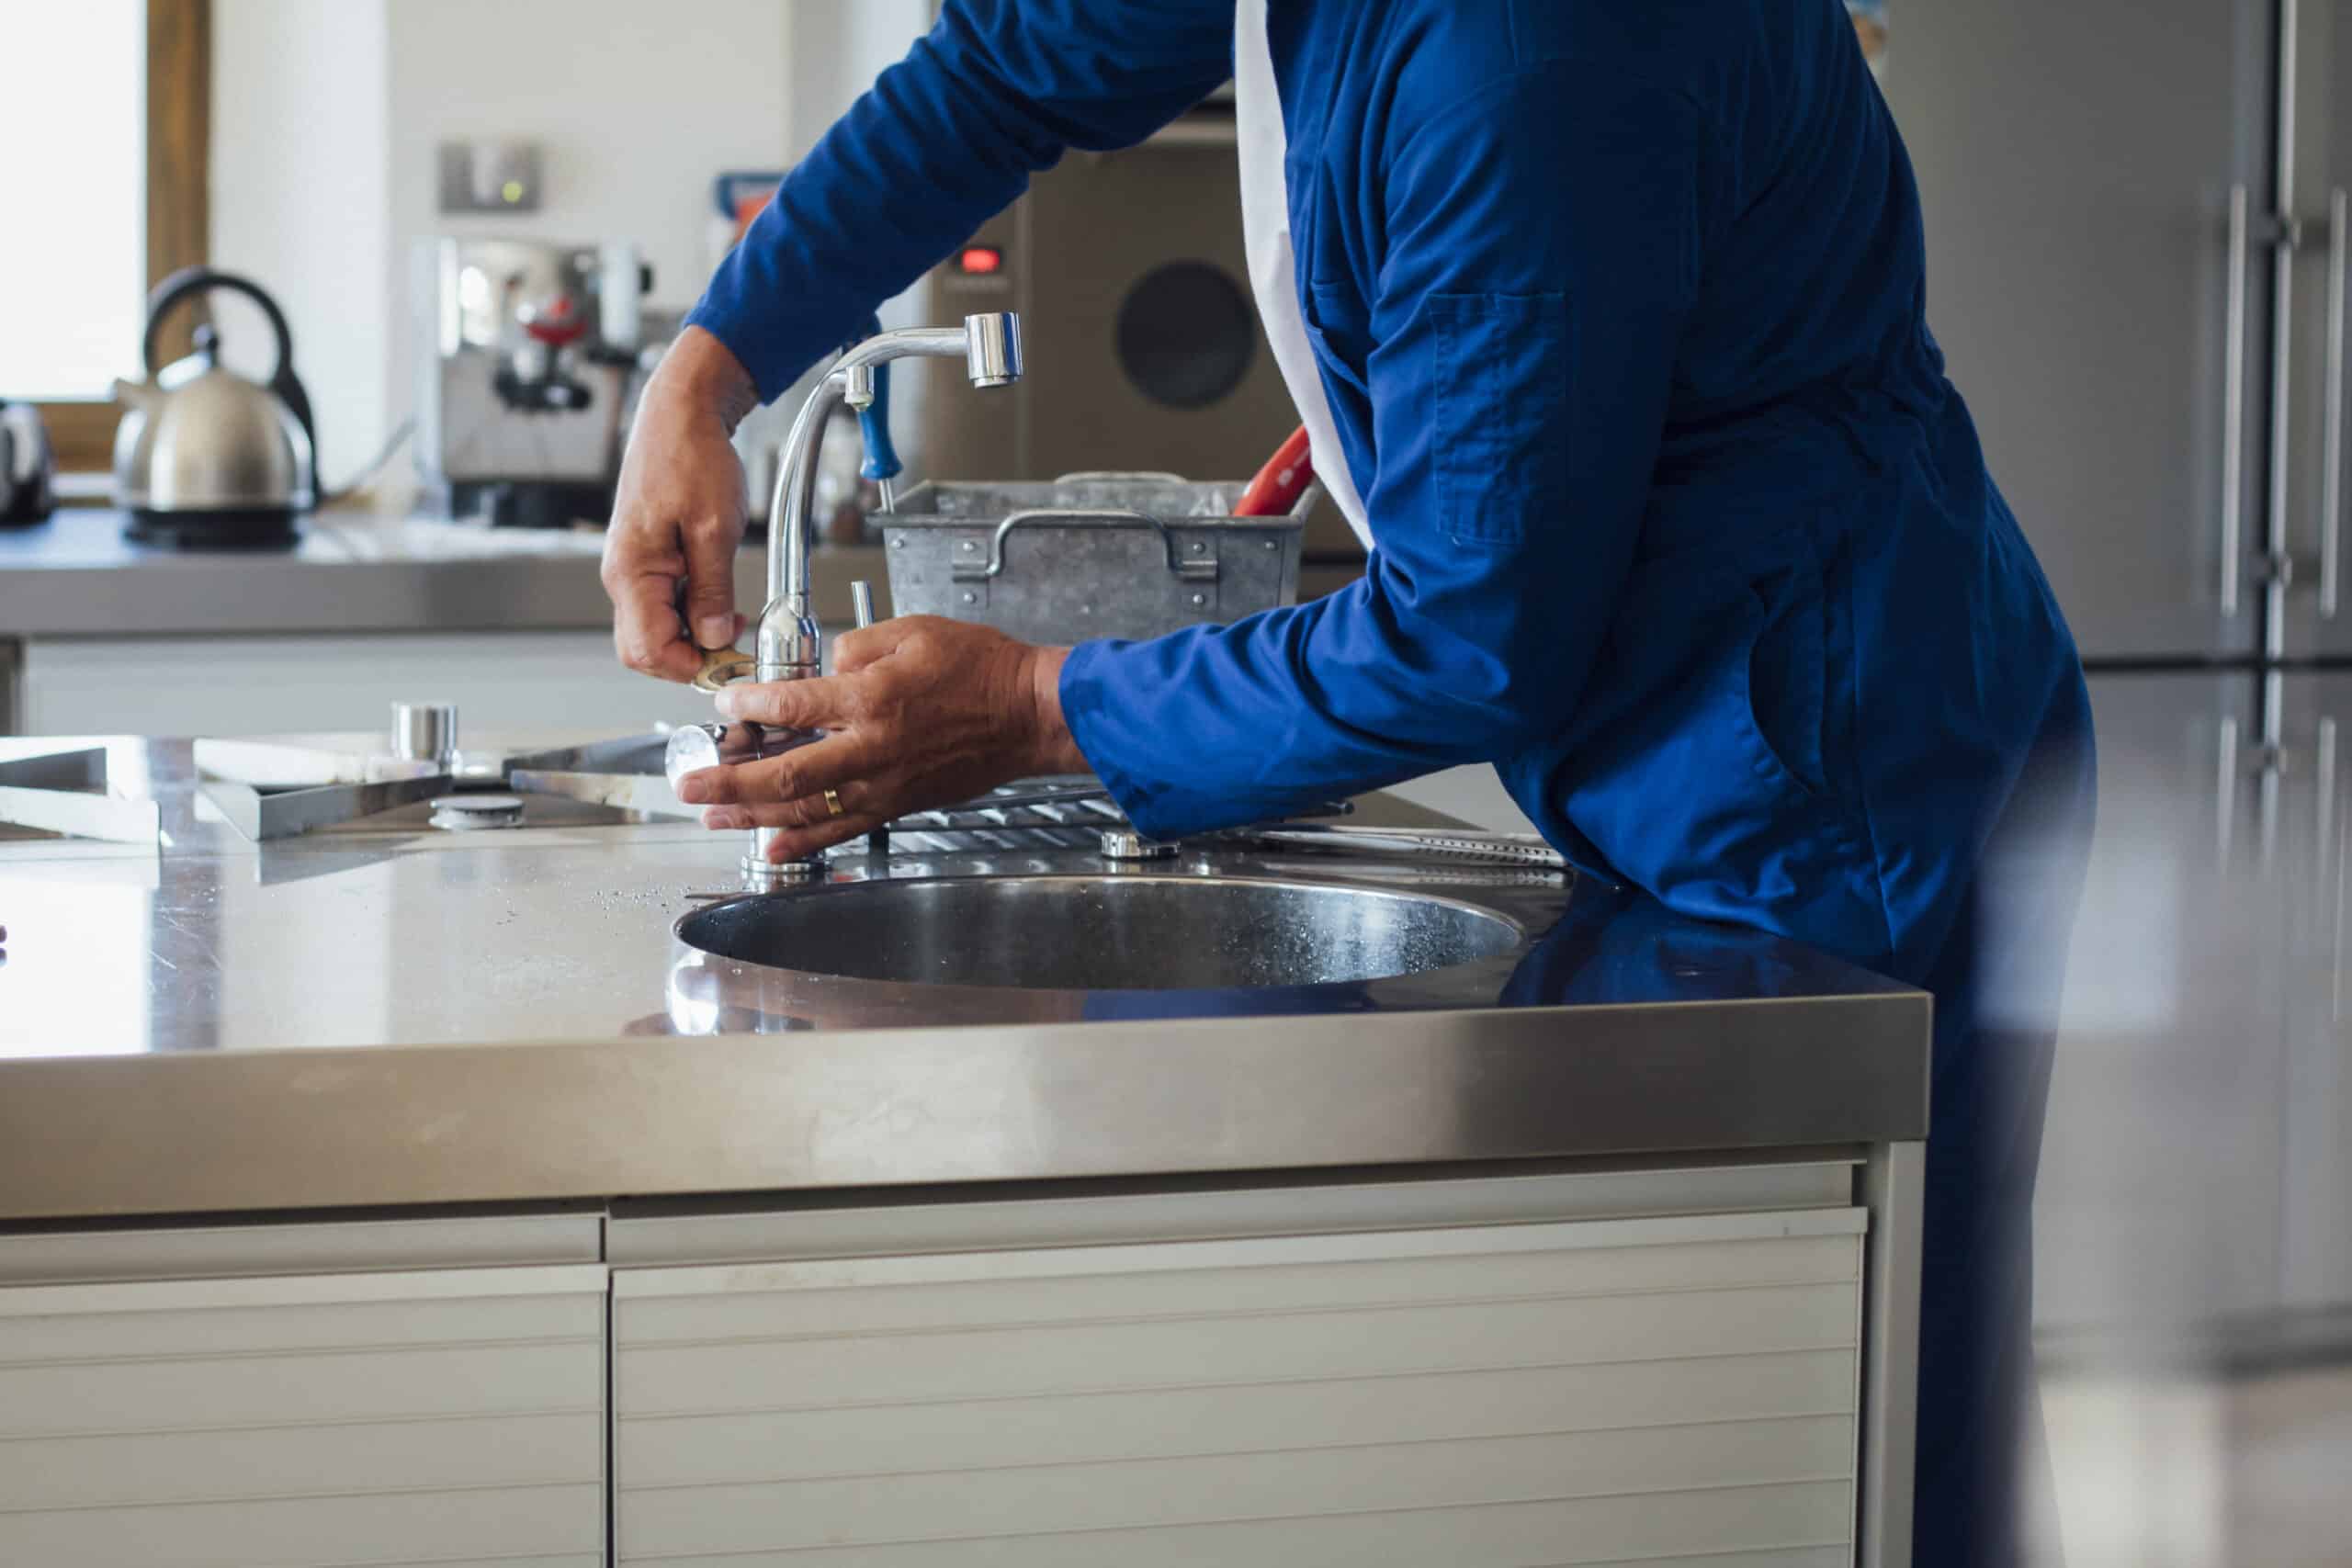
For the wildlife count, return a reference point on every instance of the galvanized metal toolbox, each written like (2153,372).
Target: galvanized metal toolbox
(1094,555)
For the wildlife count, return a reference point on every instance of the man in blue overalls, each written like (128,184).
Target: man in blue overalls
(1608,322)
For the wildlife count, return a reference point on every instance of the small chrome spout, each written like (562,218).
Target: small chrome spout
(790,647)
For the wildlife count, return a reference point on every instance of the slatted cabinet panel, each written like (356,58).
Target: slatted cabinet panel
(1600,1390)
(450,1416)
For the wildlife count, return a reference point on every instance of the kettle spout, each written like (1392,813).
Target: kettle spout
(134,394)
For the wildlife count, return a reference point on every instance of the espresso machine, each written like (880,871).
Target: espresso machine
(532,359)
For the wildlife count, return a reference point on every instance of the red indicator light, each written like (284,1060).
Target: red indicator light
(980,259)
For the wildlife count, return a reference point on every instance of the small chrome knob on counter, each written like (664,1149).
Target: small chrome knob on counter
(1125,844)
(474,813)
(425,732)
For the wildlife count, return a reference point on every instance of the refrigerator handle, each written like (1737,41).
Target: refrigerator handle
(2269,786)
(2331,862)
(2324,776)
(2331,489)
(2225,793)
(2233,405)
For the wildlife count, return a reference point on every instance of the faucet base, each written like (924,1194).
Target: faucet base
(762,875)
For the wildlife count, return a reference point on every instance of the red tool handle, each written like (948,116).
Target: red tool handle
(1281,482)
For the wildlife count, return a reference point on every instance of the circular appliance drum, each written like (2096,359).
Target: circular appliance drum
(1186,335)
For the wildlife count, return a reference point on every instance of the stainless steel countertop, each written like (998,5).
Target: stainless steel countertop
(355,572)
(386,1014)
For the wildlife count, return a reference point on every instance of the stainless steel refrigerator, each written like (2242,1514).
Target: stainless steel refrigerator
(2137,247)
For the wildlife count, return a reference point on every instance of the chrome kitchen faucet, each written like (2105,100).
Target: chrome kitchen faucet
(790,647)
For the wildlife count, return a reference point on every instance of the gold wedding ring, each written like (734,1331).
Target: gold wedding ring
(833,801)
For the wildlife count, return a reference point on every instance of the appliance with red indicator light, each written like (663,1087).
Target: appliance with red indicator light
(983,273)
(526,376)
(1144,347)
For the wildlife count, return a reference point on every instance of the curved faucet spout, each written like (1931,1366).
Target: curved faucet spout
(988,344)
(789,646)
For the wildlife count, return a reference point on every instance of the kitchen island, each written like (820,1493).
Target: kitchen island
(387,1195)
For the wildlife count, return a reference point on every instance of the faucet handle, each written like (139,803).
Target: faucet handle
(874,424)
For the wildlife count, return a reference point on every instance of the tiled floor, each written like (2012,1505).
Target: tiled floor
(2250,1469)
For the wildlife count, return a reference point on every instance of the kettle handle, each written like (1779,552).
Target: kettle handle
(190,281)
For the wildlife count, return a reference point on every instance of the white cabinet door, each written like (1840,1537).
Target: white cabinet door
(453,1416)
(1671,1390)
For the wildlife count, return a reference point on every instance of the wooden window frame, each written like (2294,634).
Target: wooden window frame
(179,168)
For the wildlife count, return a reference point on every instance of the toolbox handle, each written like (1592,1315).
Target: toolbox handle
(1098,476)
(1186,570)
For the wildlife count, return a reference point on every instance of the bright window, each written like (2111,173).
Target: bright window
(74,269)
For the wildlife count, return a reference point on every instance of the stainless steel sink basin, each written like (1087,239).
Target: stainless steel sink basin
(1095,933)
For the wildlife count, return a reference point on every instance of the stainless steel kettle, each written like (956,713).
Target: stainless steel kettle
(202,453)
(28,465)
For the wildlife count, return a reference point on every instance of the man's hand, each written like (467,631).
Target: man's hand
(920,713)
(679,513)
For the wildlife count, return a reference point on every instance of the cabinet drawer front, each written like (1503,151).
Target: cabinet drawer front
(376,1527)
(1280,1417)
(1477,1395)
(803,1305)
(445,1416)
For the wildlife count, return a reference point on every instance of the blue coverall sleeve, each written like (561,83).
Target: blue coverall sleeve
(1536,247)
(945,139)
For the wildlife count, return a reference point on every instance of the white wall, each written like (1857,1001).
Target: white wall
(838,47)
(634,106)
(301,202)
(327,118)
